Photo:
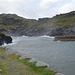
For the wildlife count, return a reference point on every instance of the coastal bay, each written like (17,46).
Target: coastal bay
(31,38)
(58,54)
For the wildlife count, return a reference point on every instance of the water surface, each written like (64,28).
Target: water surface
(60,55)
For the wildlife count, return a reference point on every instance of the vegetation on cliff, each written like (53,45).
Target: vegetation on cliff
(43,26)
(10,64)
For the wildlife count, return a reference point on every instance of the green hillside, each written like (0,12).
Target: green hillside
(13,23)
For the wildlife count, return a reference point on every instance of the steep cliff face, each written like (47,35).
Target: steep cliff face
(62,24)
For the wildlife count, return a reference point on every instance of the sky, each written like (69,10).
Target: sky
(34,9)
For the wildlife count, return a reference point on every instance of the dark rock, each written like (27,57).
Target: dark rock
(5,39)
(59,25)
(1,41)
(8,39)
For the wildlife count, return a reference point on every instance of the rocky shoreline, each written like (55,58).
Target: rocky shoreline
(22,56)
(10,52)
(14,63)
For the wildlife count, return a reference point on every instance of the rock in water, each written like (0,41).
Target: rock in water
(5,39)
(1,40)
(8,39)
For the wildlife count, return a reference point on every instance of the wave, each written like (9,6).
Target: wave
(37,36)
(48,36)
(4,45)
(14,41)
(24,36)
(20,38)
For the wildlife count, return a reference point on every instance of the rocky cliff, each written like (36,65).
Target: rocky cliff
(59,25)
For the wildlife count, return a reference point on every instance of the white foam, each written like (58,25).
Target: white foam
(14,41)
(58,41)
(24,36)
(48,36)
(4,45)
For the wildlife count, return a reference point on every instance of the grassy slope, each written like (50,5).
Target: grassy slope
(12,65)
(65,22)
(13,21)
(60,22)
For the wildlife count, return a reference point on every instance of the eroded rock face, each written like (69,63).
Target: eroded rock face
(5,39)
(59,25)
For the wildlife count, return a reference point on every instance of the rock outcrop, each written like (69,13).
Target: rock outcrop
(5,39)
(59,25)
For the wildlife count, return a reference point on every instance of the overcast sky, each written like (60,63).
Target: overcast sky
(34,9)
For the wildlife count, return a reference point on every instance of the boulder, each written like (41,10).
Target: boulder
(1,41)
(8,39)
(5,39)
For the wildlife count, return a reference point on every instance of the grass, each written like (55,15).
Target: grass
(60,22)
(65,22)
(10,64)
(7,27)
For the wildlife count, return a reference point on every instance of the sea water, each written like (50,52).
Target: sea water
(59,55)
